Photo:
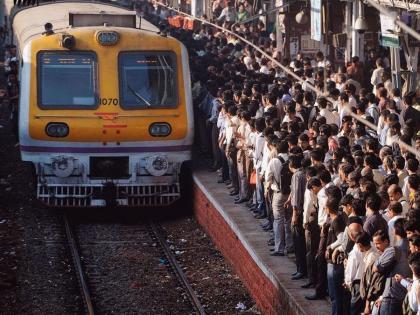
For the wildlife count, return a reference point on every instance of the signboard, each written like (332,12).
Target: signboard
(316,20)
(308,45)
(388,37)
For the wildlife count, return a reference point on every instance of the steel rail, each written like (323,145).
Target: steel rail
(177,268)
(78,265)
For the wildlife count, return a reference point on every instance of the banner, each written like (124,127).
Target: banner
(388,36)
(316,20)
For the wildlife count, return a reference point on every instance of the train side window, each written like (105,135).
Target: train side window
(67,80)
(148,79)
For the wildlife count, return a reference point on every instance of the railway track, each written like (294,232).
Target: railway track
(84,289)
(112,261)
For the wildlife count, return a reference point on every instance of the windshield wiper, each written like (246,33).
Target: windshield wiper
(141,98)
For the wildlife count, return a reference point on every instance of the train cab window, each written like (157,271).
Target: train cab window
(148,80)
(67,80)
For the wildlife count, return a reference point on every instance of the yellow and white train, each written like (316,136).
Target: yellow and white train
(105,108)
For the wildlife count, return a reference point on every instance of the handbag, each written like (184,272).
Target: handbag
(253,178)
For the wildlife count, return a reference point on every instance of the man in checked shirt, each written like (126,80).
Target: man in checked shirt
(295,200)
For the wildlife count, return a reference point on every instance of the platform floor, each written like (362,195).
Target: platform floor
(248,231)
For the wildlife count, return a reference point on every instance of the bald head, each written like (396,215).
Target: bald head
(354,230)
(394,192)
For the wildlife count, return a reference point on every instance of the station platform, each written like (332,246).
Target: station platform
(238,235)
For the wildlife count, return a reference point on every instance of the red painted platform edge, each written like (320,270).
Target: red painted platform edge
(269,298)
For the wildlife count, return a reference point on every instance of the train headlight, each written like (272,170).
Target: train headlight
(157,165)
(57,130)
(160,129)
(62,166)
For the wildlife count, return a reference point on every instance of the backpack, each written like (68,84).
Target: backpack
(285,177)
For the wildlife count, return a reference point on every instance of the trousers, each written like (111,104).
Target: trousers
(283,238)
(335,278)
(390,307)
(233,167)
(242,175)
(299,244)
(217,159)
(312,244)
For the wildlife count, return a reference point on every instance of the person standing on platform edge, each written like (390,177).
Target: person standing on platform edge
(296,197)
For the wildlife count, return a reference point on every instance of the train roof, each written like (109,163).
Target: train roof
(29,22)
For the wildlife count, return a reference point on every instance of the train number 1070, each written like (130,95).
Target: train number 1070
(109,101)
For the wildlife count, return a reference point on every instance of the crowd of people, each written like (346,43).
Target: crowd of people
(342,197)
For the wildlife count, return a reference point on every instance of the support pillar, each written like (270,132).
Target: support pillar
(412,57)
(197,8)
(279,27)
(348,55)
(395,67)
(355,36)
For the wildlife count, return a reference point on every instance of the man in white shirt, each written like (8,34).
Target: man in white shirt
(369,255)
(330,117)
(232,126)
(395,195)
(310,224)
(325,179)
(354,267)
(394,213)
(322,62)
(258,157)
(377,74)
(372,110)
(281,226)
(343,107)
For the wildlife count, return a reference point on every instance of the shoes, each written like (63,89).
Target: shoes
(294,274)
(234,193)
(220,181)
(267,228)
(298,276)
(277,254)
(240,201)
(308,285)
(312,297)
(270,243)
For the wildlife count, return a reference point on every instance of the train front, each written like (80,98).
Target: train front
(106,116)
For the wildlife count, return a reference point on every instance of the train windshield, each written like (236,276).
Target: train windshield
(148,80)
(67,80)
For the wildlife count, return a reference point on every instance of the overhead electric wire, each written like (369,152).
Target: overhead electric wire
(291,73)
